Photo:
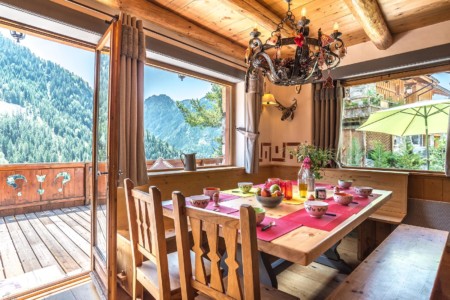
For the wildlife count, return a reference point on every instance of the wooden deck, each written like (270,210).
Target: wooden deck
(41,247)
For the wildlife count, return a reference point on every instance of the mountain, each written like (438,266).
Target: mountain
(49,115)
(46,115)
(164,120)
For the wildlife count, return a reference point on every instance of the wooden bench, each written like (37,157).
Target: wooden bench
(404,266)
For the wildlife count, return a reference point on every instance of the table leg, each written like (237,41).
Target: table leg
(331,258)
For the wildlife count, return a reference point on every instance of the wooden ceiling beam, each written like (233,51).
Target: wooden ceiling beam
(155,14)
(262,15)
(368,14)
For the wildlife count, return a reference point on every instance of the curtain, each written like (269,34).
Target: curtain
(447,155)
(253,106)
(327,115)
(132,162)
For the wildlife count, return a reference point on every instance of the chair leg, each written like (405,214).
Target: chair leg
(138,290)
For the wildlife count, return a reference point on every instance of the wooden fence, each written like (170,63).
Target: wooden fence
(34,187)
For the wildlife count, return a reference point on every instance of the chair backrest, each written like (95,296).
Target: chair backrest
(214,225)
(147,234)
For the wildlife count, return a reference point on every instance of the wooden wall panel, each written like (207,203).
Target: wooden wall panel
(429,187)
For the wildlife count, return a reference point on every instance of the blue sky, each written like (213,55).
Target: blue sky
(81,62)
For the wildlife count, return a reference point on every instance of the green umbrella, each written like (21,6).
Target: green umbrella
(423,117)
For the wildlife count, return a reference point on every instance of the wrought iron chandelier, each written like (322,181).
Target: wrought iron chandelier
(312,55)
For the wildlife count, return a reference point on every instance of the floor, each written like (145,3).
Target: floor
(42,247)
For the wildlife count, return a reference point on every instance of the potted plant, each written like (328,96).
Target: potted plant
(313,159)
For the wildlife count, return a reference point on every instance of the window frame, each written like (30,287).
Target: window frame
(230,88)
(384,77)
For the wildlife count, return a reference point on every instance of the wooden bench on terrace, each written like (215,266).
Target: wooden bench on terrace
(404,266)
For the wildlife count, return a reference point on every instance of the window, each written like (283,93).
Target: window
(184,114)
(45,101)
(362,146)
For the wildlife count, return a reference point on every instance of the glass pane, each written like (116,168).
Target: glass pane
(102,155)
(183,114)
(371,139)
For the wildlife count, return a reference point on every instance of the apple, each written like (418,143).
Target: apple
(265,193)
(274,188)
(278,193)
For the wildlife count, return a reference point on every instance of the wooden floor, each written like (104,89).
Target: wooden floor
(38,248)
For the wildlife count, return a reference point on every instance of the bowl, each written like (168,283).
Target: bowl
(363,191)
(200,201)
(344,183)
(343,198)
(316,209)
(269,201)
(210,191)
(260,214)
(245,187)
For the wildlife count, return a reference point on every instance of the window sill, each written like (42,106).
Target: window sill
(180,171)
(412,172)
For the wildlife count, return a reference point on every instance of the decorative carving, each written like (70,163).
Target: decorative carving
(16,181)
(66,178)
(40,179)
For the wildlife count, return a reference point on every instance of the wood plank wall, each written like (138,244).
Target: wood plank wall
(429,187)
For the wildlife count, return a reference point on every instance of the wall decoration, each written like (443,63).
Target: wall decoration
(277,153)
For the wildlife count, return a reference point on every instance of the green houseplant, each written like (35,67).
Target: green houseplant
(319,158)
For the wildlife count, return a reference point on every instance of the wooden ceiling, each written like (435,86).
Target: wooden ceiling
(224,25)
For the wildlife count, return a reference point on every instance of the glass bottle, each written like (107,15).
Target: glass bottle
(303,177)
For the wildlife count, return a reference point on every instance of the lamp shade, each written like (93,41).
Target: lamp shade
(268,99)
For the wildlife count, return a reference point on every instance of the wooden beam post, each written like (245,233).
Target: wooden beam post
(261,14)
(369,15)
(156,14)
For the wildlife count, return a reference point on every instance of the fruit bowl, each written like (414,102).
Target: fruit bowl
(200,201)
(344,183)
(269,201)
(260,214)
(245,187)
(363,191)
(316,209)
(343,198)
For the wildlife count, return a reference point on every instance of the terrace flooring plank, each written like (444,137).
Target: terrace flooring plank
(71,248)
(43,254)
(72,212)
(67,263)
(80,229)
(71,234)
(10,258)
(26,254)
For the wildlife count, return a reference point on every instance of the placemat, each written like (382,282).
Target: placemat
(327,222)
(281,228)
(221,208)
(237,192)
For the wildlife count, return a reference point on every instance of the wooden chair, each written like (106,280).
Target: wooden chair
(212,225)
(159,274)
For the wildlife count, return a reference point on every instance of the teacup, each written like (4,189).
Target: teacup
(210,191)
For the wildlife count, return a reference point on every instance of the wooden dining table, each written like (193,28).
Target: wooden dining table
(304,244)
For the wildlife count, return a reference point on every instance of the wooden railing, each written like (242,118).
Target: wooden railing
(28,188)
